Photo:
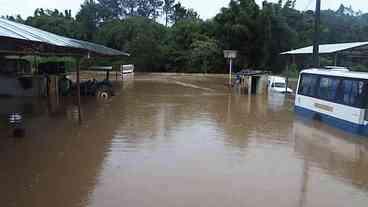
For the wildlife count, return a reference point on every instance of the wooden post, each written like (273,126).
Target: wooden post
(79,92)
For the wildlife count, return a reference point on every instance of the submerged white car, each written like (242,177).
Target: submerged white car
(278,85)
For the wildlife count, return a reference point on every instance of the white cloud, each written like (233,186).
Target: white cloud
(27,7)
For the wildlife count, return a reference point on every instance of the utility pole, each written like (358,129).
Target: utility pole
(316,40)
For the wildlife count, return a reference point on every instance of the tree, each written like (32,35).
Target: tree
(276,34)
(141,37)
(121,9)
(194,45)
(181,13)
(113,7)
(149,8)
(205,55)
(16,18)
(237,28)
(168,10)
(54,21)
(88,18)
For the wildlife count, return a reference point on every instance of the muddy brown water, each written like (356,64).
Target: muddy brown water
(178,140)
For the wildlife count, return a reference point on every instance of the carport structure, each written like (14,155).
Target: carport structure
(22,40)
(357,50)
(353,50)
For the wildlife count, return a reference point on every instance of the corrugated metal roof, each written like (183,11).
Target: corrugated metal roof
(23,32)
(250,72)
(326,48)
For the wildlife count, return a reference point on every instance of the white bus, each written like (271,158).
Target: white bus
(337,97)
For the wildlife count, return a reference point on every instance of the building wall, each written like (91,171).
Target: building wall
(23,86)
(262,84)
(261,87)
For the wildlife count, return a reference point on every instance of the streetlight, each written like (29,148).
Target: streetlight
(230,55)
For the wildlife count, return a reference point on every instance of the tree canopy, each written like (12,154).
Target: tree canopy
(163,35)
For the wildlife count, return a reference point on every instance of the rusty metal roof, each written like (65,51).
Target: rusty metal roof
(10,29)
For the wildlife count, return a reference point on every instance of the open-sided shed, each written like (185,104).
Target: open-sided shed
(20,40)
(352,50)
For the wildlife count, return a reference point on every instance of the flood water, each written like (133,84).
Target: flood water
(178,140)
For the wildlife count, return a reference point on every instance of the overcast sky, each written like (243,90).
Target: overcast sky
(206,8)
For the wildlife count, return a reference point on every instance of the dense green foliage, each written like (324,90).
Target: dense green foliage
(162,35)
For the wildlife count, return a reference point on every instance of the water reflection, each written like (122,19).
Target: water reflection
(342,157)
(179,140)
(57,162)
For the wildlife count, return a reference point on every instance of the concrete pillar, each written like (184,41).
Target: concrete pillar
(79,92)
(250,85)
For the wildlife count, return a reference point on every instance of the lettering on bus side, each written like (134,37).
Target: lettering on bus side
(324,107)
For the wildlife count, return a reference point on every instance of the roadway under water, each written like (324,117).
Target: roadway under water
(178,141)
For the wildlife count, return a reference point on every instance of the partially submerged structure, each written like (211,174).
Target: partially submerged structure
(19,40)
(252,81)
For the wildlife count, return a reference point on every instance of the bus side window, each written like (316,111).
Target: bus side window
(365,96)
(353,93)
(313,86)
(358,93)
(339,98)
(301,85)
(308,85)
(324,88)
(347,92)
(335,83)
(304,85)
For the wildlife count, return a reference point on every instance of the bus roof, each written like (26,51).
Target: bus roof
(337,73)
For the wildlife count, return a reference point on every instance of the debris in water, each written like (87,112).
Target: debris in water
(16,125)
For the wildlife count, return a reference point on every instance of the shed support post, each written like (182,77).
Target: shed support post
(287,76)
(79,92)
(107,75)
(230,71)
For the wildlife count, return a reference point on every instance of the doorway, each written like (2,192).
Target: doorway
(254,84)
